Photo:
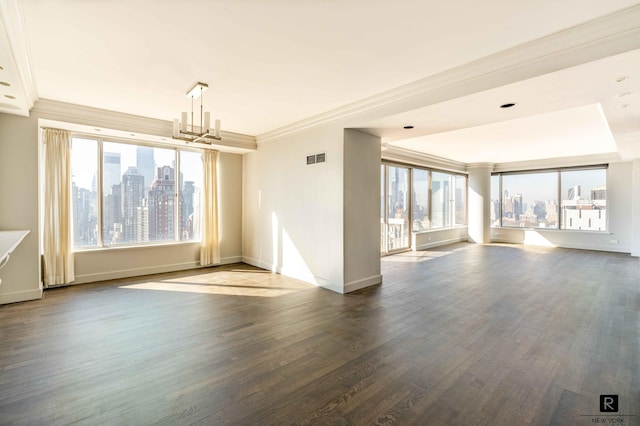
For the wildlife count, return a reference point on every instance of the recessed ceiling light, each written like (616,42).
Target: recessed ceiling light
(508,105)
(9,96)
(4,83)
(622,78)
(622,95)
(408,127)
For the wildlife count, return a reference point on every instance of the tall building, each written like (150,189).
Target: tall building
(186,210)
(599,193)
(111,170)
(574,193)
(142,222)
(145,164)
(84,216)
(161,204)
(112,219)
(132,196)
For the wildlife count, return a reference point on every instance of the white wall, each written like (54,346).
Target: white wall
(293,212)
(19,208)
(619,206)
(361,210)
(438,237)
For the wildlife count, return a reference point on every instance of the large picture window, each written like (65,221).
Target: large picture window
(415,200)
(125,193)
(572,199)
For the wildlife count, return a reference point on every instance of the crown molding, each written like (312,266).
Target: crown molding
(596,39)
(414,158)
(12,20)
(94,117)
(550,163)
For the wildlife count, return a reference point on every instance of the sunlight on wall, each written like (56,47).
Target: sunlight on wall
(275,235)
(535,238)
(293,263)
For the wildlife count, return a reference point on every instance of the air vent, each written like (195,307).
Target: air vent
(317,158)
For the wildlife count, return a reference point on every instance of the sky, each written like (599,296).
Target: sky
(84,159)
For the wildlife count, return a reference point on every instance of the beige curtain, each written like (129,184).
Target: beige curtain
(58,254)
(210,246)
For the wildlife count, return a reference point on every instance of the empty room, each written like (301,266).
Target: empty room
(303,212)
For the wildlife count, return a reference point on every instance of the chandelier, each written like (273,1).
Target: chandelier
(184,131)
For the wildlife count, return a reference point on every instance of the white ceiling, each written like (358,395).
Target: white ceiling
(271,64)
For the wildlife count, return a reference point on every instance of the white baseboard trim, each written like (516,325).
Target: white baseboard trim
(134,272)
(360,284)
(569,246)
(229,260)
(260,264)
(441,243)
(20,296)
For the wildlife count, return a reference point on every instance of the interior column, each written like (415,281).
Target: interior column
(479,200)
(635,209)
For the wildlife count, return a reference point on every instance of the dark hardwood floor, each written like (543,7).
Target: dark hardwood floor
(464,334)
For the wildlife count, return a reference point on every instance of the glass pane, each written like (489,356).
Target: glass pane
(420,212)
(584,199)
(397,221)
(84,171)
(461,200)
(135,210)
(191,181)
(440,200)
(495,200)
(530,200)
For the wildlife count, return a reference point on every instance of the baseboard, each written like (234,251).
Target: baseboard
(20,296)
(441,243)
(229,260)
(260,264)
(135,272)
(363,283)
(569,246)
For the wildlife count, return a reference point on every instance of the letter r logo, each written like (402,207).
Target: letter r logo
(608,403)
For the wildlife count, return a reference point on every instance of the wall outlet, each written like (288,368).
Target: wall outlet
(613,241)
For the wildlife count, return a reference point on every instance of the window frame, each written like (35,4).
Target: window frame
(100,244)
(558,171)
(430,171)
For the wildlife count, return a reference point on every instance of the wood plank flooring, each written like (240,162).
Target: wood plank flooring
(463,334)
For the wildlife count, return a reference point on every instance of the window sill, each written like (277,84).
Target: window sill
(135,246)
(578,231)
(429,231)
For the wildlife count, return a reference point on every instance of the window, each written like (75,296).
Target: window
(495,200)
(584,199)
(420,211)
(84,172)
(415,199)
(530,199)
(460,200)
(147,194)
(191,180)
(440,200)
(398,208)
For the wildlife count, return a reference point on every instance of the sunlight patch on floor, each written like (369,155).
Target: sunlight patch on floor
(234,282)
(416,256)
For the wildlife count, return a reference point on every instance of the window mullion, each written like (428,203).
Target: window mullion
(100,195)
